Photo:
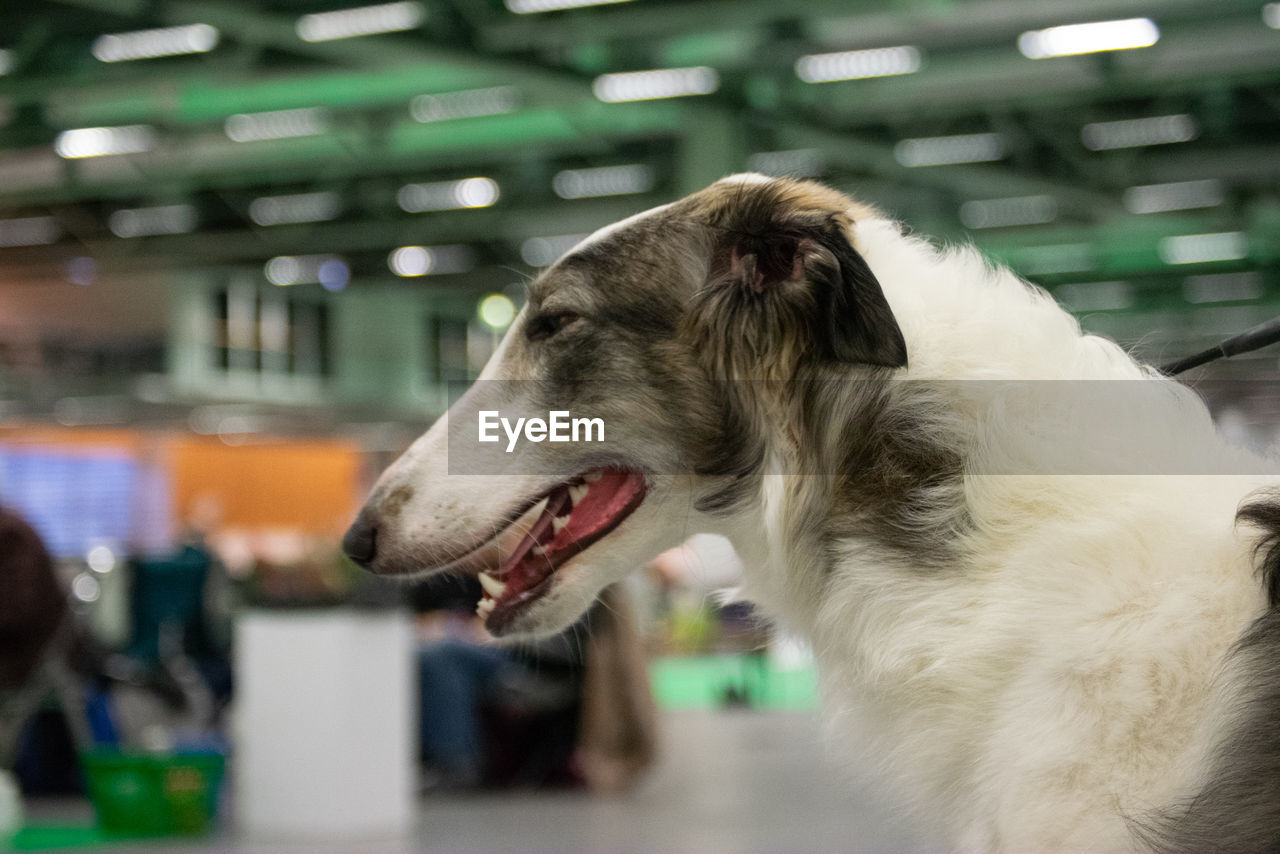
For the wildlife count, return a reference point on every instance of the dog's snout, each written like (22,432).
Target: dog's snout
(361,540)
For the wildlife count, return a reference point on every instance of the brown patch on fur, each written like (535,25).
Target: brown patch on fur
(395,501)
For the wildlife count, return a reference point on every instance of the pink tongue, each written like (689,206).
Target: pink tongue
(607,497)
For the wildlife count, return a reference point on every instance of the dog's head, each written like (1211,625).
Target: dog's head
(639,327)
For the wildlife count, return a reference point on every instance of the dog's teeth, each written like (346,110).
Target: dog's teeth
(593,476)
(485,608)
(558,524)
(491,585)
(577,492)
(538,508)
(540,551)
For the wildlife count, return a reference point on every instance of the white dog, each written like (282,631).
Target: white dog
(1042,591)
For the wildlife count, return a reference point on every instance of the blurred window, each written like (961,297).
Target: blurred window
(274,333)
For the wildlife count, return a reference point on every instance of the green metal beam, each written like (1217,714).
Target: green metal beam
(907,22)
(968,181)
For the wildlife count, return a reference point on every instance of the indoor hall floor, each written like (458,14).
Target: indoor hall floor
(737,782)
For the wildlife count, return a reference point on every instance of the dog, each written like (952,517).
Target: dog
(1042,592)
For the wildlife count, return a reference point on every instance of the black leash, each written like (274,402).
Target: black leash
(1252,339)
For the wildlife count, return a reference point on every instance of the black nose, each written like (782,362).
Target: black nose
(361,540)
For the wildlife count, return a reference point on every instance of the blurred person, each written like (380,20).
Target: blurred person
(32,603)
(573,709)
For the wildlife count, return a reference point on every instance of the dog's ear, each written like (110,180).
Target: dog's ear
(850,318)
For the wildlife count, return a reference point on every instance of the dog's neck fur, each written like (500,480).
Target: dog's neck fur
(879,566)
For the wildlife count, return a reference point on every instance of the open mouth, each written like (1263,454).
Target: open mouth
(567,520)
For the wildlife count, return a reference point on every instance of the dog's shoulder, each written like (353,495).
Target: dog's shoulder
(1238,806)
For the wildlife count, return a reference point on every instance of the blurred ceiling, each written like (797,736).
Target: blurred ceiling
(336,132)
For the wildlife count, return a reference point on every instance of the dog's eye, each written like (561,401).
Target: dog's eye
(548,324)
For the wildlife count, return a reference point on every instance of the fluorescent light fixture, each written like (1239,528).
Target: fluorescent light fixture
(543,251)
(1056,258)
(1177,196)
(466,104)
(29,231)
(150,44)
(448,195)
(603,181)
(658,83)
(1137,133)
(528,7)
(945,150)
(100,142)
(858,64)
(413,261)
(147,222)
(1095,296)
(1204,248)
(360,21)
(298,207)
(276,124)
(6,61)
(1271,15)
(792,163)
(1000,213)
(1222,287)
(329,271)
(1096,37)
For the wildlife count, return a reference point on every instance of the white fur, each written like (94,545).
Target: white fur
(1061,677)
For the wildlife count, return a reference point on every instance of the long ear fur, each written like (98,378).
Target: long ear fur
(772,252)
(860,325)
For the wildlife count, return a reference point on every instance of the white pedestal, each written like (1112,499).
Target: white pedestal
(323,730)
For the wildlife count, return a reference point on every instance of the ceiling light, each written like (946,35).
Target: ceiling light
(329,271)
(603,181)
(543,251)
(1176,196)
(658,83)
(497,311)
(1095,37)
(794,163)
(276,124)
(1000,213)
(1203,248)
(150,44)
(1223,287)
(1136,133)
(944,150)
(1056,258)
(298,207)
(360,21)
(147,222)
(29,231)
(413,261)
(6,61)
(1271,15)
(82,270)
(858,64)
(1095,296)
(526,7)
(448,195)
(467,104)
(100,142)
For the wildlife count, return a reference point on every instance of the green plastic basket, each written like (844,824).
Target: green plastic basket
(138,794)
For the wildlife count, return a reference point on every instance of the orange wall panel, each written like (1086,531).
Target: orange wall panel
(312,485)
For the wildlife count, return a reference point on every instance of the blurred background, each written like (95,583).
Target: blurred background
(244,248)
